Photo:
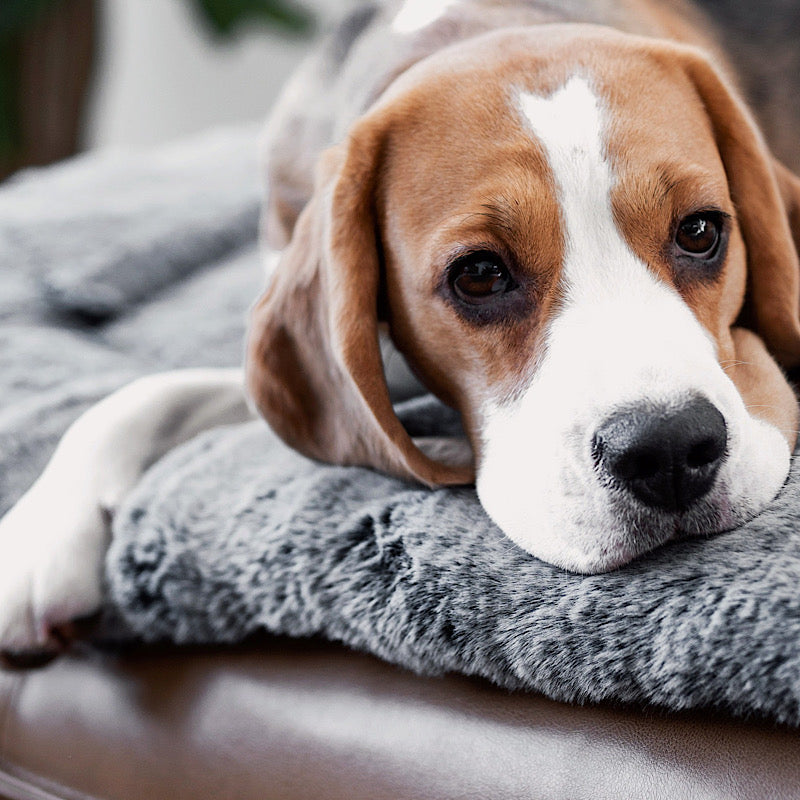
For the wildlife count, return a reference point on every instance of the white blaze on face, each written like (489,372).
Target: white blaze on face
(623,337)
(417,14)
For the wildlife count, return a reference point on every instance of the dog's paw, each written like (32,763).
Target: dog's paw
(52,545)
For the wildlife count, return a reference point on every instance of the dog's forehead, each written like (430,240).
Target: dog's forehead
(567,121)
(642,87)
(570,125)
(491,103)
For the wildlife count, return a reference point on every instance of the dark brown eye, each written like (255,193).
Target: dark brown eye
(478,278)
(698,235)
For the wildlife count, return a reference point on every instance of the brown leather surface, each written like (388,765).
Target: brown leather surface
(310,720)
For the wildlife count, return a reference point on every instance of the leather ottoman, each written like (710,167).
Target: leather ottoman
(304,719)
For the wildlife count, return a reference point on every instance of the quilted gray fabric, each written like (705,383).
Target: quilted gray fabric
(233,534)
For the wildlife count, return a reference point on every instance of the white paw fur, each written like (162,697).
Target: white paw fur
(53,541)
(52,545)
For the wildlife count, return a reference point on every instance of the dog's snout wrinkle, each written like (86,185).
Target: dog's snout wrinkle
(668,459)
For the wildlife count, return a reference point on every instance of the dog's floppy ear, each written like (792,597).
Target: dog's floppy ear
(314,367)
(766,196)
(789,185)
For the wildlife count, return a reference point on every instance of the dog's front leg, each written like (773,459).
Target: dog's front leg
(53,541)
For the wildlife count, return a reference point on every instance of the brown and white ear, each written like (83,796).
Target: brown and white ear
(789,185)
(314,367)
(766,196)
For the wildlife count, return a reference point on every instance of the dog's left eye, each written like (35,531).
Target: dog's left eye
(698,235)
(478,278)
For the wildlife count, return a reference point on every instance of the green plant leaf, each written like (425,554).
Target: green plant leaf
(224,16)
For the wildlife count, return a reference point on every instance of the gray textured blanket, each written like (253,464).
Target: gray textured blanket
(233,534)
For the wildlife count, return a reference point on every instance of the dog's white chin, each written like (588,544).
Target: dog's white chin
(550,501)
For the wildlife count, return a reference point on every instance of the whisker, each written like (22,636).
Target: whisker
(726,365)
(778,427)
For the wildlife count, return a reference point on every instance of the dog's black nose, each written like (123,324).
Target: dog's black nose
(667,460)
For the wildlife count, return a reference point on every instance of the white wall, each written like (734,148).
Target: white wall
(162,75)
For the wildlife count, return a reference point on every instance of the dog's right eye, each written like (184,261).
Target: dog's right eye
(698,235)
(478,278)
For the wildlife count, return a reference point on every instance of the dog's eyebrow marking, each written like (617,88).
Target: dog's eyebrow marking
(416,14)
(497,216)
(667,179)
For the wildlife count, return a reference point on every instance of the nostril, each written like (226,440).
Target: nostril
(704,453)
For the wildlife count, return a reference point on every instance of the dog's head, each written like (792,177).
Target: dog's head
(580,241)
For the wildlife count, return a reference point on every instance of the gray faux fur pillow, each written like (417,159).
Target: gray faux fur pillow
(234,534)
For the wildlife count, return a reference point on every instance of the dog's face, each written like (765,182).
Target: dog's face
(564,246)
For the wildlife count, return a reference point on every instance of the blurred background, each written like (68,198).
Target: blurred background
(83,74)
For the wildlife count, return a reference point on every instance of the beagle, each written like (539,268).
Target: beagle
(571,227)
